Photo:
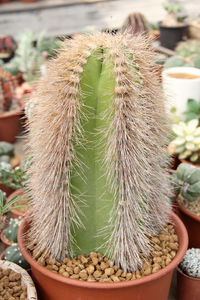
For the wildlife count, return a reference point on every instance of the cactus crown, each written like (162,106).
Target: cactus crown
(13,254)
(187,141)
(12,230)
(187,181)
(97,138)
(190,264)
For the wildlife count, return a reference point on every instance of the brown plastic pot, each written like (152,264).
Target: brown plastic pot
(52,286)
(9,126)
(15,212)
(192,224)
(188,288)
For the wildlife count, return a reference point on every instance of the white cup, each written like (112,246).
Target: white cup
(179,90)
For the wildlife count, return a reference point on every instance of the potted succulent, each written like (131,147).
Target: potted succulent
(186,142)
(4,209)
(9,234)
(99,184)
(172,28)
(13,254)
(188,275)
(12,179)
(187,184)
(17,282)
(10,108)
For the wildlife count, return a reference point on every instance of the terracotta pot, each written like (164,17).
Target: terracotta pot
(53,286)
(29,1)
(6,244)
(188,288)
(2,255)
(9,126)
(192,224)
(15,212)
(15,162)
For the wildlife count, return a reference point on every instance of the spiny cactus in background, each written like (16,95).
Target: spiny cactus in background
(193,110)
(8,99)
(5,208)
(187,55)
(98,178)
(13,254)
(187,140)
(135,23)
(172,8)
(187,181)
(12,230)
(190,264)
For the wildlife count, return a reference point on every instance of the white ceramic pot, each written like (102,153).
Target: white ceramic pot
(178,90)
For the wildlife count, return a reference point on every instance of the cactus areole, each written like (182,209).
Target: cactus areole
(97,136)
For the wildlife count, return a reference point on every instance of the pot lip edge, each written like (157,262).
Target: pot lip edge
(96,285)
(11,113)
(187,212)
(186,276)
(185,25)
(2,239)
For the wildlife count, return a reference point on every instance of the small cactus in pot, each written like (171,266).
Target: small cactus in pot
(13,254)
(98,179)
(12,230)
(190,264)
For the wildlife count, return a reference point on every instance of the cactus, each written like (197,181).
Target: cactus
(187,55)
(190,264)
(13,178)
(187,181)
(12,230)
(98,145)
(187,141)
(8,99)
(135,23)
(14,255)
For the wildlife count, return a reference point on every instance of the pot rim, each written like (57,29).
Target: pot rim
(16,193)
(11,113)
(182,234)
(3,240)
(185,24)
(187,212)
(186,276)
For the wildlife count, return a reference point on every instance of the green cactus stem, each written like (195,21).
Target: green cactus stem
(14,255)
(187,181)
(97,141)
(12,230)
(190,264)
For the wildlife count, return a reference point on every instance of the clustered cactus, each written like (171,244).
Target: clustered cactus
(98,179)
(13,178)
(190,264)
(187,140)
(12,230)
(187,181)
(14,255)
(187,55)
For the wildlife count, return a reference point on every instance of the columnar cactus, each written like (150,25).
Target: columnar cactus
(190,264)
(187,181)
(98,178)
(13,254)
(12,230)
